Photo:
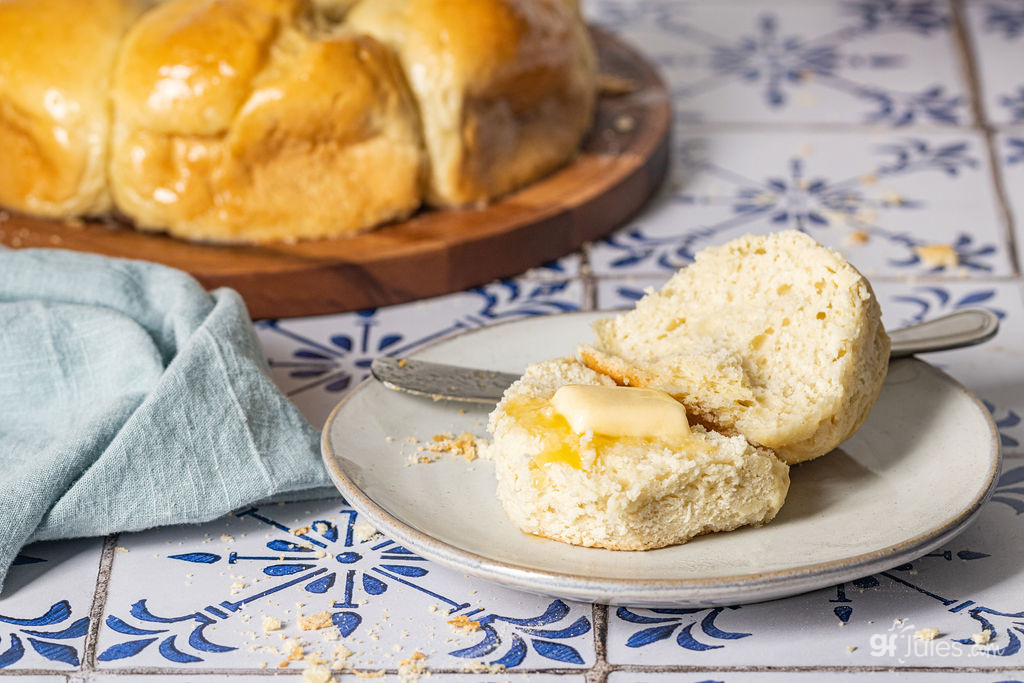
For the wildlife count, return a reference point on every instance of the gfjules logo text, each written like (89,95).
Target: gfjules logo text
(905,641)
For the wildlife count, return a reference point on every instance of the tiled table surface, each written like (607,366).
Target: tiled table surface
(897,118)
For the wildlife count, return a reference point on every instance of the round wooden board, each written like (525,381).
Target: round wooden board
(620,165)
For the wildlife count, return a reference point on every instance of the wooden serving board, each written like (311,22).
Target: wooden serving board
(435,252)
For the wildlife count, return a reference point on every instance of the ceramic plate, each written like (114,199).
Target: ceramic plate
(914,476)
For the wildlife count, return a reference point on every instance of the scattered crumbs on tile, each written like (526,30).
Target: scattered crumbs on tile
(389,439)
(227,539)
(851,648)
(857,238)
(483,668)
(358,673)
(271,624)
(410,670)
(930,633)
(331,634)
(300,530)
(938,255)
(411,439)
(983,638)
(317,674)
(120,549)
(315,622)
(463,625)
(238,586)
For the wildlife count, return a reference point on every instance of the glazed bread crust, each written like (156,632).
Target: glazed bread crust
(773,337)
(265,120)
(55,67)
(505,88)
(264,133)
(632,496)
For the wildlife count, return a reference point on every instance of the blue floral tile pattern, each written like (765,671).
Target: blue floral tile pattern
(997,33)
(283,561)
(877,197)
(317,360)
(955,589)
(878,62)
(813,677)
(44,610)
(1010,152)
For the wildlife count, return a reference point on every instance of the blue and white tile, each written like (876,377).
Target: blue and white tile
(997,36)
(344,678)
(970,585)
(317,360)
(44,608)
(815,677)
(1010,151)
(196,597)
(993,370)
(896,192)
(882,62)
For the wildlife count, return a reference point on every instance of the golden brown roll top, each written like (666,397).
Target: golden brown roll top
(505,88)
(55,65)
(264,120)
(234,125)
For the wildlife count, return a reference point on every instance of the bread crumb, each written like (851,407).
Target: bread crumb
(341,653)
(483,668)
(226,538)
(120,549)
(331,634)
(982,638)
(868,179)
(851,648)
(411,439)
(410,670)
(315,622)
(926,633)
(263,665)
(857,238)
(301,530)
(363,531)
(464,444)
(464,625)
(368,674)
(938,255)
(613,86)
(237,587)
(402,362)
(317,674)
(271,624)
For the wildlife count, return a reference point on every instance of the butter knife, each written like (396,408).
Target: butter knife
(440,381)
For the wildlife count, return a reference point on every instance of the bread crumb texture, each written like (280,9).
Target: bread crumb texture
(773,337)
(926,634)
(315,622)
(638,494)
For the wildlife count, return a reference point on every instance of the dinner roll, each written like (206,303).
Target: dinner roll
(773,337)
(629,493)
(234,124)
(505,88)
(55,65)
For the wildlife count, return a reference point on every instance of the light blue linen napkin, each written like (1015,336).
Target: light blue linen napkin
(131,398)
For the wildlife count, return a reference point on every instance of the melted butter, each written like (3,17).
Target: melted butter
(561,445)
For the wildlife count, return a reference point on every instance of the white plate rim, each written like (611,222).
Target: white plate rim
(667,592)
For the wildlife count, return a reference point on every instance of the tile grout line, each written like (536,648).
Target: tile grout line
(99,604)
(969,65)
(599,672)
(588,279)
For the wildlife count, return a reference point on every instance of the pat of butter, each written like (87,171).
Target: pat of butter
(621,411)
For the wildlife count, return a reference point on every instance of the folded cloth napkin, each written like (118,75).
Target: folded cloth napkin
(130,398)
